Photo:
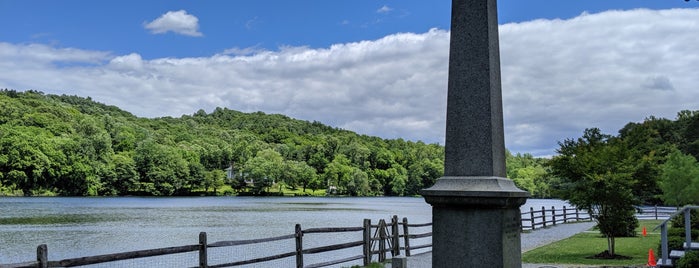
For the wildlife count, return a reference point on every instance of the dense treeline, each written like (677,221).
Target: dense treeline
(651,162)
(69,145)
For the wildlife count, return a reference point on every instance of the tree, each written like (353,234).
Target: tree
(264,169)
(125,176)
(399,177)
(161,168)
(338,172)
(532,179)
(27,158)
(71,145)
(529,173)
(300,173)
(214,179)
(358,185)
(680,179)
(596,177)
(647,149)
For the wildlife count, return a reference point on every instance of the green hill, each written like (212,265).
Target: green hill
(70,145)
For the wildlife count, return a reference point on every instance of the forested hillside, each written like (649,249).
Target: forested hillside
(70,145)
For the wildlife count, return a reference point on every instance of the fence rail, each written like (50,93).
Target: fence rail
(665,259)
(654,212)
(550,217)
(375,241)
(385,240)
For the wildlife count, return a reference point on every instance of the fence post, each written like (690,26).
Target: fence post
(367,242)
(663,243)
(553,215)
(406,239)
(688,228)
(203,257)
(531,215)
(543,215)
(656,211)
(299,246)
(42,256)
(565,215)
(577,214)
(382,240)
(395,251)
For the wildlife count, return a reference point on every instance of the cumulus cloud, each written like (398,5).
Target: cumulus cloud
(558,78)
(561,76)
(179,22)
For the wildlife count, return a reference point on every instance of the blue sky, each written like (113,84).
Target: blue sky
(374,67)
(117,26)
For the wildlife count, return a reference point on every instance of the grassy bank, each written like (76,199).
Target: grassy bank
(578,248)
(287,191)
(278,189)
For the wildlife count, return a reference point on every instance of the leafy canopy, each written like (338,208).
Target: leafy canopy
(596,175)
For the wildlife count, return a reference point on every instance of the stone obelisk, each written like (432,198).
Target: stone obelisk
(475,209)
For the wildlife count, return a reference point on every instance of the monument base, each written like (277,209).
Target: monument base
(476,222)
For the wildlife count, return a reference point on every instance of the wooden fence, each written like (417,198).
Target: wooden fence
(550,217)
(542,218)
(373,241)
(654,212)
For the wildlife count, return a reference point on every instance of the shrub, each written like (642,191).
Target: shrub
(690,260)
(673,243)
(679,232)
(678,221)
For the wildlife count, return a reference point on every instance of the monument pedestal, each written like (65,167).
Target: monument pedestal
(477,221)
(475,211)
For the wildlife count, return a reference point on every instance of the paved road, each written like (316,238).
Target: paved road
(530,241)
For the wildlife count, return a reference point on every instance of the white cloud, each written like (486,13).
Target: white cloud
(236,51)
(175,21)
(38,54)
(558,77)
(384,9)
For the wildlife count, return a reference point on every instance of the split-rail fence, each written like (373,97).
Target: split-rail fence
(374,242)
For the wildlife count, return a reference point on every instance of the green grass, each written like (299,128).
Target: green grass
(576,249)
(286,191)
(294,192)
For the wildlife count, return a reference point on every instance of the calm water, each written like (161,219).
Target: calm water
(75,227)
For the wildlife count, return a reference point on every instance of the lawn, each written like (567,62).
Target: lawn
(577,249)
(274,189)
(287,191)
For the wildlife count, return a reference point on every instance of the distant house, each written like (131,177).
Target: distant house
(331,190)
(231,174)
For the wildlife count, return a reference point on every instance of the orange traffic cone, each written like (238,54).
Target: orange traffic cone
(644,231)
(651,258)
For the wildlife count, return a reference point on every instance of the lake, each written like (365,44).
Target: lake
(83,226)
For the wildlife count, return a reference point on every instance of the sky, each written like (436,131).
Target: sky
(374,67)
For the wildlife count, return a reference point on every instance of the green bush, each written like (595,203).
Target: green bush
(679,232)
(690,260)
(678,221)
(673,243)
